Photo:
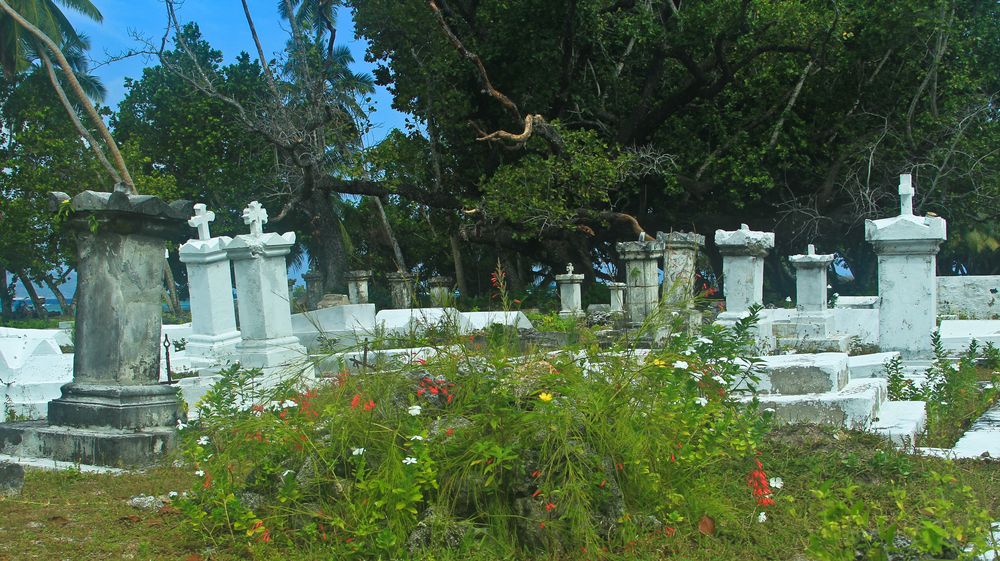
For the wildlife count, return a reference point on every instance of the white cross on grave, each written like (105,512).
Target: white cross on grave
(811,250)
(905,195)
(256,216)
(200,221)
(569,268)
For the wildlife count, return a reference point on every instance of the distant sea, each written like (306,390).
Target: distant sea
(52,305)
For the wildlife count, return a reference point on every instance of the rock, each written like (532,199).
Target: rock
(331,300)
(11,479)
(146,502)
(436,528)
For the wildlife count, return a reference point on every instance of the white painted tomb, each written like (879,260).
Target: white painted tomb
(479,321)
(571,303)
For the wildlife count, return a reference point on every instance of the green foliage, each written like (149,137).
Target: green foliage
(475,448)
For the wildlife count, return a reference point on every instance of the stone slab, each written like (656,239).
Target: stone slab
(417,321)
(901,421)
(481,320)
(858,302)
(113,448)
(969,296)
(957,334)
(855,406)
(870,365)
(800,374)
(49,464)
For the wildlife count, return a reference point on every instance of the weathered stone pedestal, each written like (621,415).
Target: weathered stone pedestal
(441,291)
(213,320)
(401,289)
(680,259)
(262,290)
(617,297)
(907,247)
(811,328)
(743,252)
(314,288)
(642,276)
(570,300)
(357,286)
(114,412)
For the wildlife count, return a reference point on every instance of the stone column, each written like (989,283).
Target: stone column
(743,252)
(262,286)
(680,258)
(314,288)
(357,286)
(810,280)
(642,275)
(213,320)
(116,361)
(571,304)
(907,247)
(812,325)
(401,288)
(617,290)
(441,291)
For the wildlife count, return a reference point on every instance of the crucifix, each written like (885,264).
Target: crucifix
(569,268)
(905,195)
(200,221)
(256,216)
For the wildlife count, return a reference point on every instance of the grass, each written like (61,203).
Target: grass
(70,515)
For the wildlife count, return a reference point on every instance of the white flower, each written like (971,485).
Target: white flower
(203,441)
(673,314)
(769,410)
(762,517)
(696,375)
(181,425)
(688,352)
(680,364)
(828,286)
(701,401)
(776,483)
(955,366)
(409,460)
(835,295)
(676,334)
(286,473)
(288,403)
(787,299)
(414,410)
(705,340)
(200,473)
(172,495)
(357,451)
(416,437)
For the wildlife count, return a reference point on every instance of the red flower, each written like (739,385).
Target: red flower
(449,432)
(549,507)
(603,483)
(536,493)
(536,473)
(355,401)
(370,405)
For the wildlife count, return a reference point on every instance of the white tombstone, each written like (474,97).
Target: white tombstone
(743,252)
(810,280)
(812,325)
(642,277)
(571,303)
(262,294)
(357,286)
(214,335)
(441,289)
(907,247)
(617,299)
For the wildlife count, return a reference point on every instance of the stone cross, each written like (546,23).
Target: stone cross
(905,195)
(569,268)
(200,221)
(256,216)
(811,250)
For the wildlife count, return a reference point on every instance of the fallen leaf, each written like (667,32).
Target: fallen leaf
(131,519)
(167,509)
(706,525)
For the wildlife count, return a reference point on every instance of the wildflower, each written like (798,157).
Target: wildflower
(659,362)
(701,401)
(355,401)
(762,517)
(680,365)
(414,410)
(788,298)
(449,432)
(545,396)
(536,473)
(181,425)
(776,483)
(409,460)
(286,473)
(550,506)
(357,451)
(416,437)
(172,495)
(536,493)
(828,287)
(288,403)
(835,295)
(704,340)
(200,473)
(203,441)
(370,405)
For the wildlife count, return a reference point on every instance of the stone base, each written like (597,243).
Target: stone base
(763,333)
(856,406)
(103,447)
(870,365)
(572,314)
(829,344)
(801,374)
(272,353)
(208,350)
(117,407)
(901,421)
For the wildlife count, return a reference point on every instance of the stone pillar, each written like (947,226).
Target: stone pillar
(810,329)
(907,247)
(743,252)
(810,280)
(262,286)
(213,320)
(617,290)
(642,275)
(571,304)
(116,361)
(680,258)
(357,286)
(401,288)
(441,291)
(314,288)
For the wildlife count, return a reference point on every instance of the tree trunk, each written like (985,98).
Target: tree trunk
(77,90)
(328,246)
(456,256)
(76,118)
(6,296)
(64,305)
(168,278)
(396,251)
(39,304)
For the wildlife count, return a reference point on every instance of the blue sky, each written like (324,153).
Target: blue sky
(223,25)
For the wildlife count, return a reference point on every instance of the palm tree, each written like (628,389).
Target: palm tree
(43,20)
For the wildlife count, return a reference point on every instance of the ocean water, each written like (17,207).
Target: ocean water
(52,305)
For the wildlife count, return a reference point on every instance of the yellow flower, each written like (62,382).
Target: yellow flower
(545,396)
(660,363)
